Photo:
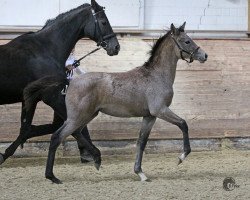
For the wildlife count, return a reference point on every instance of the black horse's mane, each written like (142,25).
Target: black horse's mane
(62,15)
(155,46)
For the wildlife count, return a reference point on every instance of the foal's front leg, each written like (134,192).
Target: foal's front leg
(147,125)
(166,114)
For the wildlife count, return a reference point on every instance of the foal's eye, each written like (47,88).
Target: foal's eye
(187,42)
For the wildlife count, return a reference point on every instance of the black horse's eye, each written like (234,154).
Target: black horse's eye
(187,42)
(104,23)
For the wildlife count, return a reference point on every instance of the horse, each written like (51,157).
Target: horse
(145,91)
(34,55)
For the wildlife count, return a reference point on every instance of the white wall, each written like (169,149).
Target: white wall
(122,13)
(199,14)
(27,12)
(136,14)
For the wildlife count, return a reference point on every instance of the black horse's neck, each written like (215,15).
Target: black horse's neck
(62,33)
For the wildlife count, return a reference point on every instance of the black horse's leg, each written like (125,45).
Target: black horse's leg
(85,155)
(56,140)
(147,125)
(26,119)
(166,114)
(23,121)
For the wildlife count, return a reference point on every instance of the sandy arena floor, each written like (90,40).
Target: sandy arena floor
(199,177)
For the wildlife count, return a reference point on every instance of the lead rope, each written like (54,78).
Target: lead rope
(77,62)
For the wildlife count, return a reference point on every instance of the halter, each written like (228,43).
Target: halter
(102,39)
(191,58)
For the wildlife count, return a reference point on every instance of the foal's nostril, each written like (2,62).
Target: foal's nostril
(206,55)
(117,47)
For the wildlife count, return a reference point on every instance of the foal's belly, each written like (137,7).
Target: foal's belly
(124,111)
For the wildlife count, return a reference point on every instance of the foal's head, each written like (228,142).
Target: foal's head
(185,47)
(100,30)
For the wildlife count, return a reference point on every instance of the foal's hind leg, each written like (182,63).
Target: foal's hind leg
(166,114)
(147,125)
(59,106)
(68,128)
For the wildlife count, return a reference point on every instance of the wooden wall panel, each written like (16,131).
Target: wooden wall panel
(212,97)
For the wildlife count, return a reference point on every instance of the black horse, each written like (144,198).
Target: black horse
(37,54)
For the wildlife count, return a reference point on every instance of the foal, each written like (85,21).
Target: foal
(145,91)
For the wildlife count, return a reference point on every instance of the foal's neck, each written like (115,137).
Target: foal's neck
(166,61)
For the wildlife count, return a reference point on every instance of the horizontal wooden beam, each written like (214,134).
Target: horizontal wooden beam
(25,29)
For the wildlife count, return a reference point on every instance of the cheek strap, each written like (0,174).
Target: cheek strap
(191,58)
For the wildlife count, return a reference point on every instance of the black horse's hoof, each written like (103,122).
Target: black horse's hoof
(1,159)
(97,165)
(54,179)
(98,162)
(86,157)
(84,160)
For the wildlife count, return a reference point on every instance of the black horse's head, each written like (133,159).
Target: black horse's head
(101,31)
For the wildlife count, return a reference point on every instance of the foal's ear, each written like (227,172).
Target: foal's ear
(182,27)
(174,30)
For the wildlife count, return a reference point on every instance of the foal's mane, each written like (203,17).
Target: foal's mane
(155,46)
(62,15)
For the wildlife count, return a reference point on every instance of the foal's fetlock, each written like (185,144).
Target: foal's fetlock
(137,169)
(182,157)
(1,159)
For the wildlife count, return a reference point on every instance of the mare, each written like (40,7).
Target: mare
(34,55)
(145,91)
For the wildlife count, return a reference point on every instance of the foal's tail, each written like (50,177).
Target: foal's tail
(44,89)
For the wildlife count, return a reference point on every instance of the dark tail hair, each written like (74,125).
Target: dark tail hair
(35,91)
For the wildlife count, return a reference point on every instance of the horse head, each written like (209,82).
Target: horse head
(185,47)
(101,31)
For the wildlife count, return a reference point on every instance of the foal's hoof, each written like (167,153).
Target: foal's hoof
(181,158)
(143,177)
(179,161)
(54,179)
(1,159)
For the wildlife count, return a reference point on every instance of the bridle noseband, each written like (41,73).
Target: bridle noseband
(191,58)
(102,38)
